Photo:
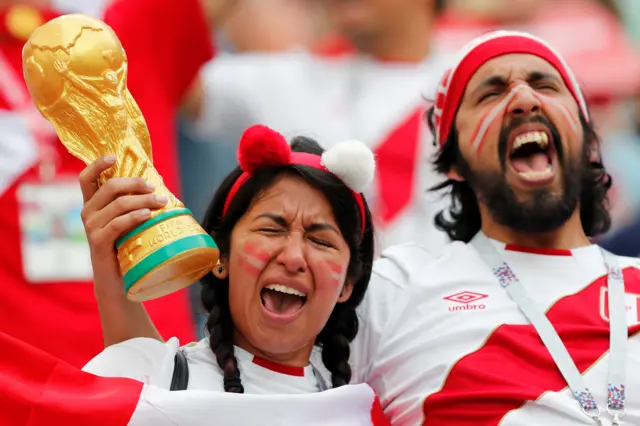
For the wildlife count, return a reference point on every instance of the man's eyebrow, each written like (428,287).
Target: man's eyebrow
(494,81)
(537,76)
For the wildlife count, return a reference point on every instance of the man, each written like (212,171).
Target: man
(522,320)
(46,296)
(373,94)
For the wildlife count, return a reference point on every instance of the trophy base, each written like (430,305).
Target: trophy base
(166,253)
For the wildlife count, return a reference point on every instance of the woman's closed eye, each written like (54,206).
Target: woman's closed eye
(271,230)
(321,242)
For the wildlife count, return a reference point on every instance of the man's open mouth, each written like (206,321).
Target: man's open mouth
(532,155)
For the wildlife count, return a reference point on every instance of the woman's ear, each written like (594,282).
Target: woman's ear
(347,289)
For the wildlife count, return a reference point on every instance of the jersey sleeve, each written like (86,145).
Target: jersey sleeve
(143,359)
(240,90)
(388,292)
(386,288)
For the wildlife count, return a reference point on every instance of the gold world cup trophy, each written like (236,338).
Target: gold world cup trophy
(76,71)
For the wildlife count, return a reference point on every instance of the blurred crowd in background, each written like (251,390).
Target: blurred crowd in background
(600,39)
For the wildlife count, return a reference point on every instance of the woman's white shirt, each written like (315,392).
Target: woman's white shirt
(152,362)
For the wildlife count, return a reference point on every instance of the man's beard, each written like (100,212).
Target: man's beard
(543,211)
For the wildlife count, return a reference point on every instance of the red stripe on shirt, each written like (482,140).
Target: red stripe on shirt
(396,167)
(514,366)
(536,250)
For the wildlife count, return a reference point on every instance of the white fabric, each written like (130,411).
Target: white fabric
(331,100)
(152,362)
(18,148)
(344,406)
(429,342)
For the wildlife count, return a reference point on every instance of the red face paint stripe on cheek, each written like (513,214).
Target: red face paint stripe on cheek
(498,111)
(255,252)
(564,110)
(337,271)
(253,259)
(247,263)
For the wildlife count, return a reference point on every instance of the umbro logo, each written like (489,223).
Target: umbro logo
(465,301)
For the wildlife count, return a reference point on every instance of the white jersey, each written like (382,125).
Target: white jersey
(335,99)
(152,362)
(455,349)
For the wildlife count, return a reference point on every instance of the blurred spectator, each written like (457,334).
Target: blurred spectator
(372,92)
(46,297)
(586,32)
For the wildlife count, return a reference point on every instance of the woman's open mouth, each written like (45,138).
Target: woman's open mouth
(282,301)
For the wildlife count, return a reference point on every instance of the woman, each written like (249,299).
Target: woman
(296,249)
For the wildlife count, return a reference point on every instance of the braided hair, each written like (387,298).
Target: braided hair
(342,325)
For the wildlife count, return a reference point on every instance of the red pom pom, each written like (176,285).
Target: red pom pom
(261,147)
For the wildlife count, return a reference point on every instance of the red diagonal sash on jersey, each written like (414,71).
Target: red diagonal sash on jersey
(37,389)
(396,164)
(514,366)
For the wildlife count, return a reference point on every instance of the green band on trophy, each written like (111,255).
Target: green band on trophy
(151,222)
(163,254)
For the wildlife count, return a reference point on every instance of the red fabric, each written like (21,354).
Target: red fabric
(378,417)
(165,46)
(513,366)
(289,370)
(537,250)
(454,83)
(396,165)
(37,389)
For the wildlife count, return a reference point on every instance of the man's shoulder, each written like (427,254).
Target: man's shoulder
(411,262)
(629,262)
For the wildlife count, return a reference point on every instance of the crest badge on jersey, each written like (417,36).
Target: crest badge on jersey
(632,304)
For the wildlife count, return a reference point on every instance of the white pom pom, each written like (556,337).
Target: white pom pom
(353,162)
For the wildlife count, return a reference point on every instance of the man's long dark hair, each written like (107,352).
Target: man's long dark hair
(462,219)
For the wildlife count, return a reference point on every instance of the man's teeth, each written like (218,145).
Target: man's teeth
(537,175)
(540,138)
(284,289)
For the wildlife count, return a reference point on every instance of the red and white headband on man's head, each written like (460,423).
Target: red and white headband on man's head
(478,52)
(350,161)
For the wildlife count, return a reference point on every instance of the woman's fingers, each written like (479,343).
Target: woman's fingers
(121,206)
(102,240)
(90,175)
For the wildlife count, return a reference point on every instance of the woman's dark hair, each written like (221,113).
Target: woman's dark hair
(463,221)
(342,326)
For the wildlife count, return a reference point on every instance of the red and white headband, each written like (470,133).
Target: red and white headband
(350,161)
(479,51)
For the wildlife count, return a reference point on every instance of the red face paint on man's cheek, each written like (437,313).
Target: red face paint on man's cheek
(253,259)
(551,104)
(489,118)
